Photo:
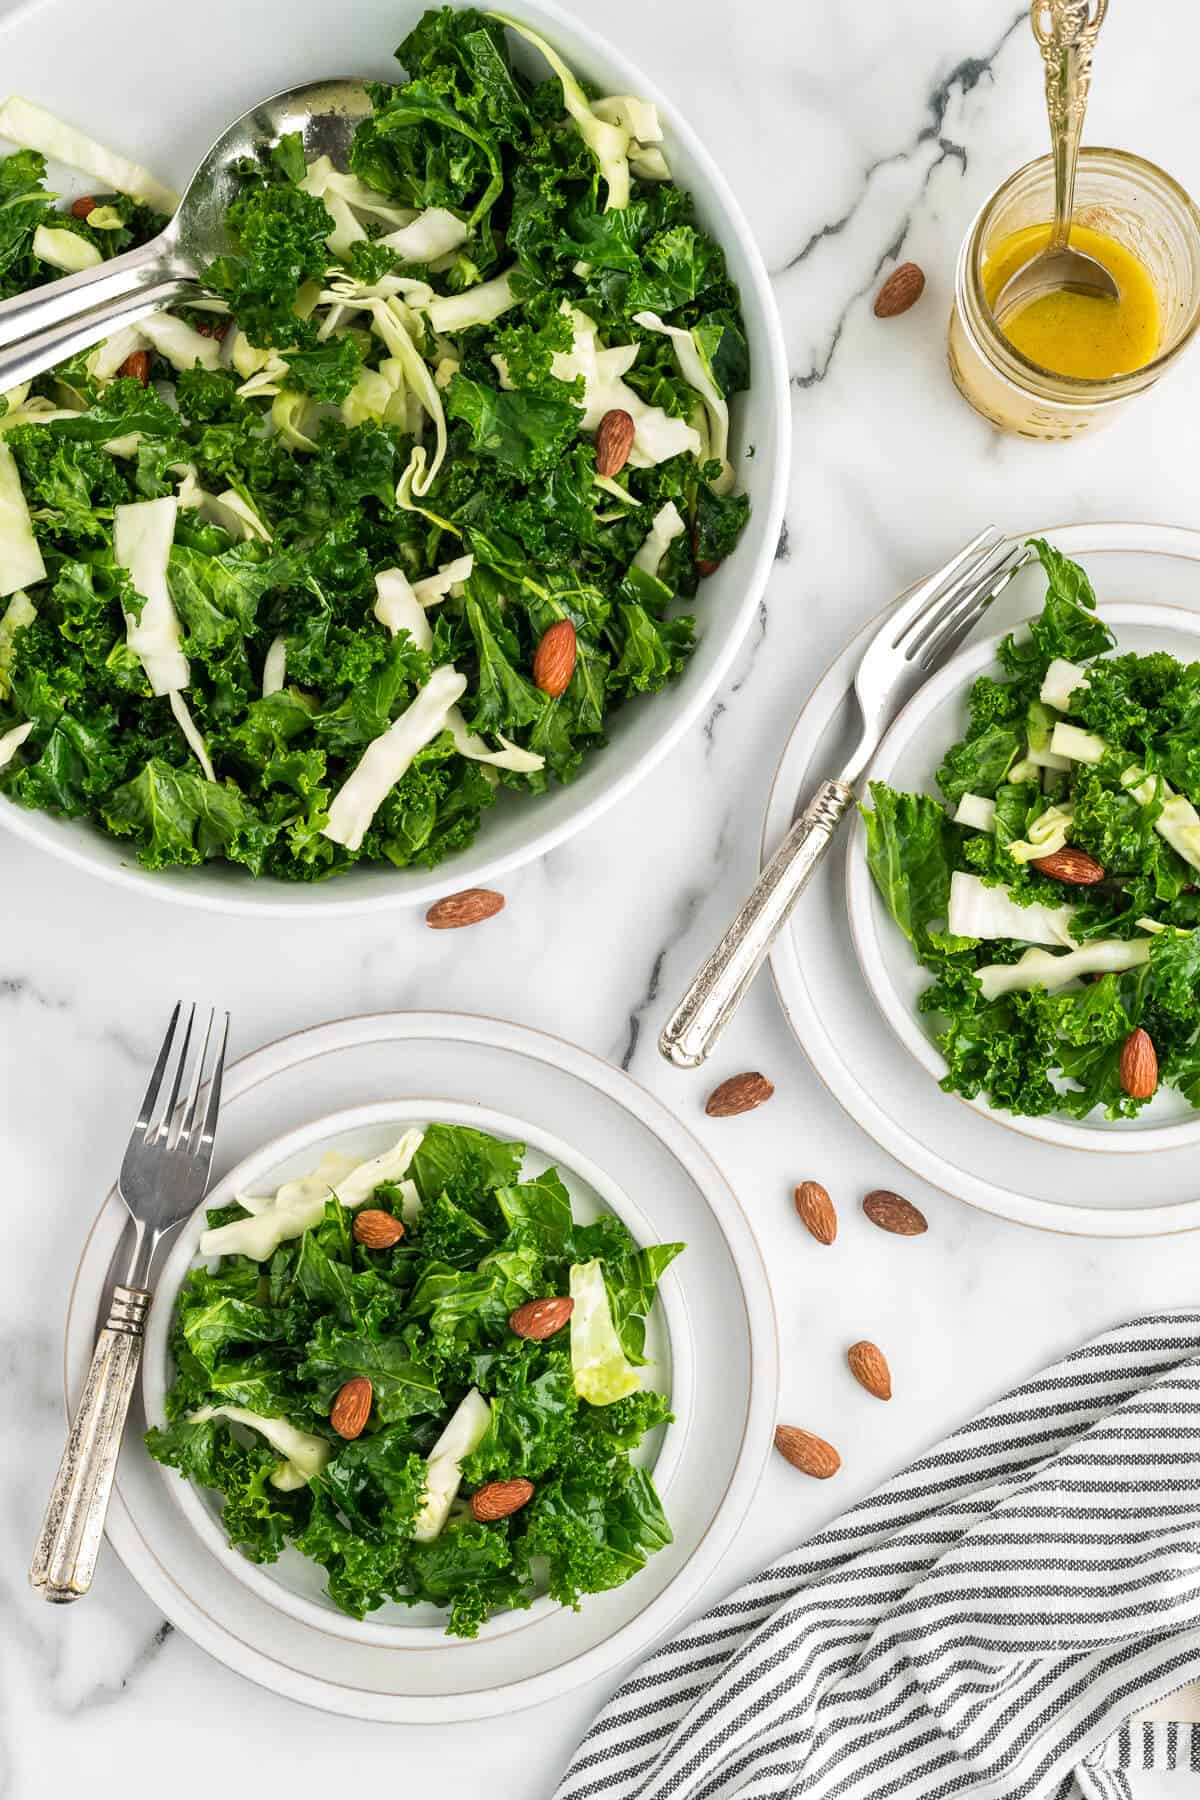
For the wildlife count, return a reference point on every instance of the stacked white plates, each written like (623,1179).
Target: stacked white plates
(1074,1183)
(715,1348)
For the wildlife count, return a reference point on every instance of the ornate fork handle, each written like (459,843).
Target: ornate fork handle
(69,1543)
(720,983)
(1066,33)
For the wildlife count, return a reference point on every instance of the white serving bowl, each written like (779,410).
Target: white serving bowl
(165,110)
(908,759)
(295,1585)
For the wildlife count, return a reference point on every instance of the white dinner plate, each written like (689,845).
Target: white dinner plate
(830,1009)
(721,1326)
(295,1583)
(164,106)
(908,759)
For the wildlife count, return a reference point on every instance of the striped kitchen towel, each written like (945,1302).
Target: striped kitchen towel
(986,1625)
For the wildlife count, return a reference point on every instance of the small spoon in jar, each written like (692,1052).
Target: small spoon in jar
(1066,32)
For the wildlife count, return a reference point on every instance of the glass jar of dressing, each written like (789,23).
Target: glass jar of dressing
(1072,360)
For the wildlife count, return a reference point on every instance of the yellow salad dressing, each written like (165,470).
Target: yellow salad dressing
(1080,334)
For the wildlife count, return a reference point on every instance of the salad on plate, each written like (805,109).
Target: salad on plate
(306,572)
(1051,888)
(423,1373)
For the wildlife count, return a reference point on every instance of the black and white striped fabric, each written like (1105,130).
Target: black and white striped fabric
(986,1625)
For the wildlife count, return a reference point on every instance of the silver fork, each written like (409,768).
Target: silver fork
(921,632)
(163,1178)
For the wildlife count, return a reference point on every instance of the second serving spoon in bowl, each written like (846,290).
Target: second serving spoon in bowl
(51,323)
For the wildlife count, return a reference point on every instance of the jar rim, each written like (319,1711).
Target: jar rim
(1089,389)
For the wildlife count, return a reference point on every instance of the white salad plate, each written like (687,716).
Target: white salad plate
(908,759)
(619,1147)
(295,1583)
(969,1152)
(165,109)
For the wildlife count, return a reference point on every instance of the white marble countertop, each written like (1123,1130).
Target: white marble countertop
(851,134)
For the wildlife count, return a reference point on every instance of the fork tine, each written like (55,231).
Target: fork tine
(947,579)
(191,1105)
(973,606)
(922,629)
(146,1113)
(159,1131)
(204,1135)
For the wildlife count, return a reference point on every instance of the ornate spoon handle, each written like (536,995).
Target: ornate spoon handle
(1066,33)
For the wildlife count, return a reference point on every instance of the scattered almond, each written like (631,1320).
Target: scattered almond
(216,328)
(377,1230)
(500,1499)
(85,204)
(1139,1065)
(352,1407)
(614,441)
(540,1319)
(869,1367)
(891,1212)
(811,1455)
(1073,866)
(902,289)
(554,659)
(137,366)
(467,908)
(703,565)
(739,1094)
(816,1211)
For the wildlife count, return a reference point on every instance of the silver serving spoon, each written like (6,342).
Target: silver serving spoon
(1066,32)
(52,323)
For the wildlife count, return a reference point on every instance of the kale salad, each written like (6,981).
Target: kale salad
(276,566)
(423,1373)
(1052,890)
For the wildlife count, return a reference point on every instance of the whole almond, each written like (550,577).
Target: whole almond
(614,441)
(1139,1065)
(500,1499)
(1073,866)
(739,1094)
(891,1212)
(85,204)
(816,1211)
(902,289)
(377,1230)
(554,659)
(352,1407)
(540,1319)
(703,565)
(811,1455)
(467,908)
(869,1367)
(136,366)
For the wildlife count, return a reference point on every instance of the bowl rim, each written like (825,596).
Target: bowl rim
(70,840)
(259,1165)
(867,918)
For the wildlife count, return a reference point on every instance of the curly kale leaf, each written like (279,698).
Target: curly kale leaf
(257,1516)
(979,763)
(522,430)
(278,234)
(24,205)
(1067,626)
(910,845)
